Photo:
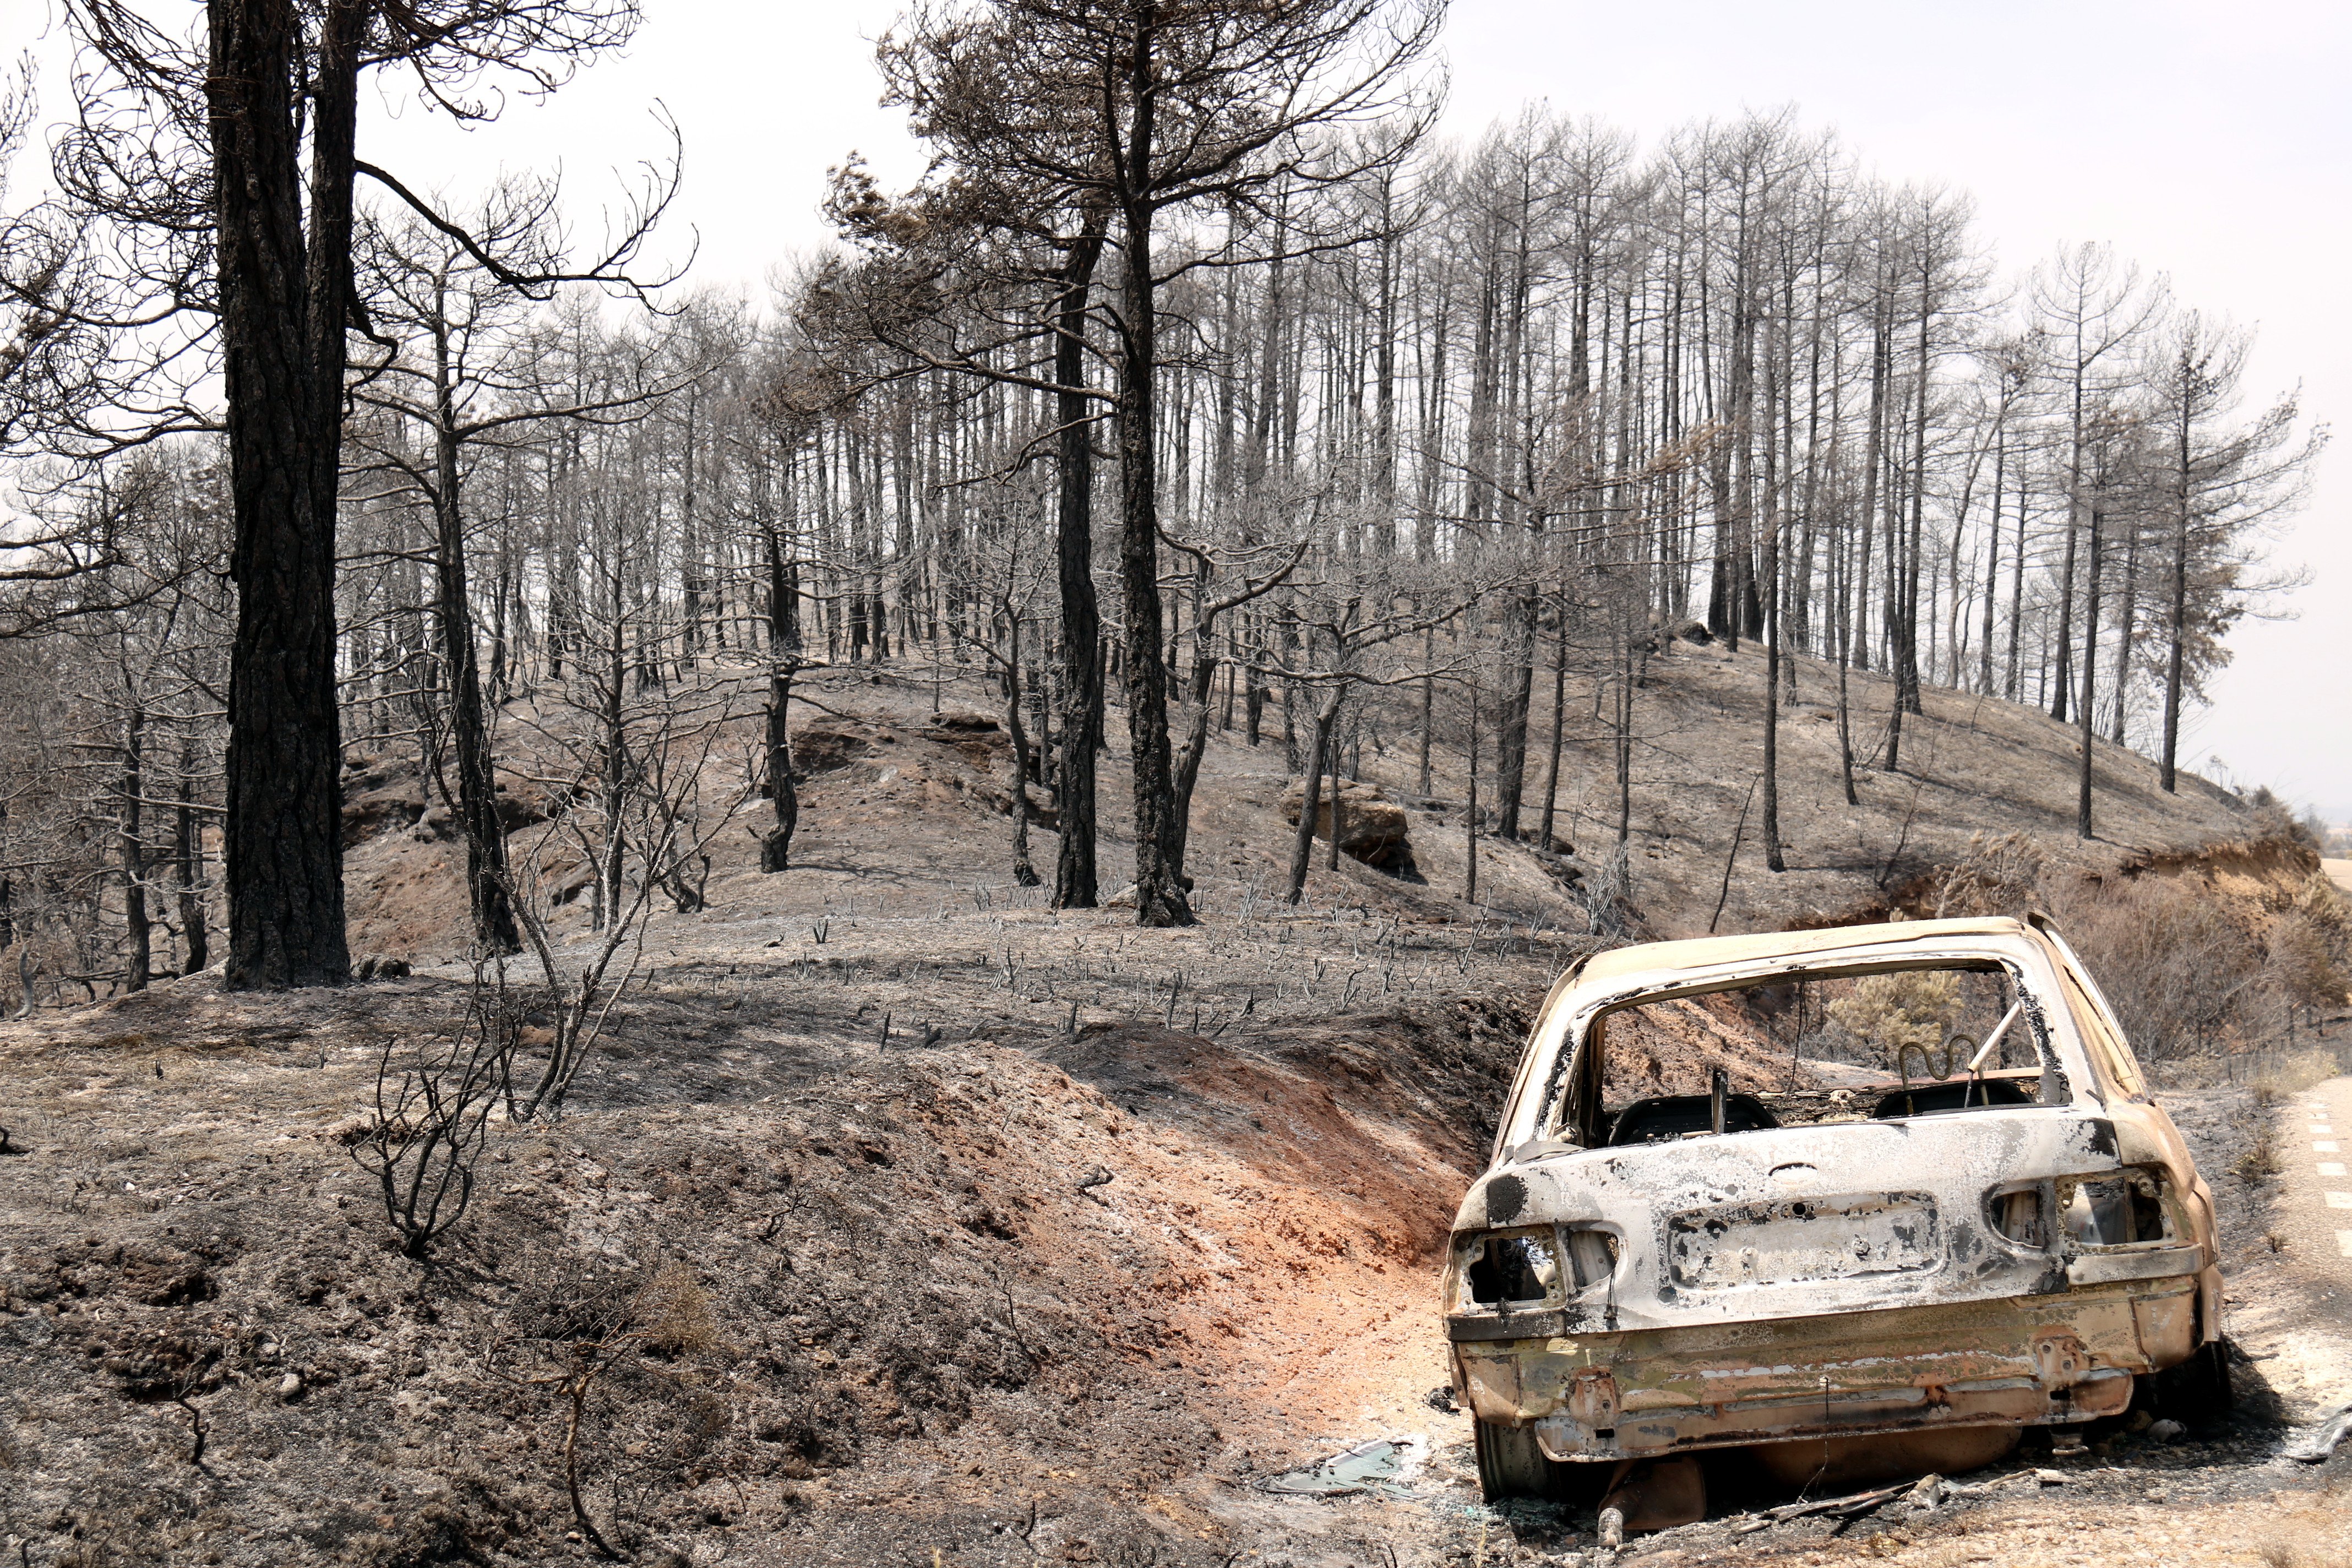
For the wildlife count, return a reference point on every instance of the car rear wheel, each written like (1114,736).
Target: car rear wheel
(1511,1465)
(2197,1392)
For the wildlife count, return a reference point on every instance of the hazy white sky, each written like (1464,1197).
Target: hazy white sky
(2211,144)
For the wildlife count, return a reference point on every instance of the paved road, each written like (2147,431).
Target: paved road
(2300,1304)
(2311,1135)
(2340,873)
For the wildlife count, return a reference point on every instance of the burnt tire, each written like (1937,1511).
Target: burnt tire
(1511,1465)
(2196,1392)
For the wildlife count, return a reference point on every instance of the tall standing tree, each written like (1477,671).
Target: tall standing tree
(458,371)
(254,126)
(2218,488)
(2090,312)
(1151,111)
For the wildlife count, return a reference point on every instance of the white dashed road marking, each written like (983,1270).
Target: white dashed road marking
(2322,1147)
(2339,1200)
(2344,1242)
(2331,1167)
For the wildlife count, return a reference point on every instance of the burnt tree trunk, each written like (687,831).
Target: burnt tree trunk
(1545,828)
(1024,874)
(1158,897)
(1082,672)
(188,854)
(783,654)
(478,799)
(1470,811)
(1196,743)
(2176,605)
(283,302)
(140,931)
(1518,691)
(1310,796)
(2083,824)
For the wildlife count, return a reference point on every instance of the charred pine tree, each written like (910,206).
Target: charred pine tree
(285,302)
(783,663)
(261,120)
(1075,885)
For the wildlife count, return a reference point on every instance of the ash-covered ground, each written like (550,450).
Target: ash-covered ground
(899,1220)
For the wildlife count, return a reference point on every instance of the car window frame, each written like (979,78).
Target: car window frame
(1538,1103)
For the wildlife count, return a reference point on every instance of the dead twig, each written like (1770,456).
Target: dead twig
(1737,832)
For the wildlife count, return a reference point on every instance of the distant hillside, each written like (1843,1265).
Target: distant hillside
(898,808)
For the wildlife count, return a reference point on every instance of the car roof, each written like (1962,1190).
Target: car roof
(1864,942)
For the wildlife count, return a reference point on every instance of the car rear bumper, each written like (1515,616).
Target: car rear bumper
(2065,1357)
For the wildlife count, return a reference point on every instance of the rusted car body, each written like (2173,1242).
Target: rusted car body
(1971,1254)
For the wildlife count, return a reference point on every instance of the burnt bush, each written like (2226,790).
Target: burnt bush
(2238,951)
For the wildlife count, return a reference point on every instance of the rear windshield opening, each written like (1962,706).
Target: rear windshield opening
(1806,1050)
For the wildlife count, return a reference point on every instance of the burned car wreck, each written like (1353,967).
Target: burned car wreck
(1856,1200)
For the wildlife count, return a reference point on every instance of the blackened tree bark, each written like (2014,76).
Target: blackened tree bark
(1311,794)
(1470,809)
(1545,834)
(1518,694)
(188,854)
(1196,736)
(1023,872)
(2082,824)
(478,799)
(284,298)
(1907,628)
(132,787)
(783,654)
(1081,673)
(1159,898)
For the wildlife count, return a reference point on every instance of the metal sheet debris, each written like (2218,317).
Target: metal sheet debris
(1377,1466)
(2315,1448)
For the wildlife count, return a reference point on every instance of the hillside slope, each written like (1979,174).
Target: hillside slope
(899,809)
(899,1219)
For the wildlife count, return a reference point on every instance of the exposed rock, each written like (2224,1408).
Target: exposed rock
(964,721)
(380,795)
(1372,827)
(523,807)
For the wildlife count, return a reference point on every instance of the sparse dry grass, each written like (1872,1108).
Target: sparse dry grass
(2292,1072)
(2260,1163)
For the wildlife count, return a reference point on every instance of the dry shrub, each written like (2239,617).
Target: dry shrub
(674,1314)
(2280,1551)
(2193,972)
(2307,952)
(1889,1012)
(1999,875)
(2184,971)
(2260,1163)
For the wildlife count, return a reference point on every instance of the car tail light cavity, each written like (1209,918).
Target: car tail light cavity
(1592,1255)
(2118,1209)
(1514,1266)
(1537,1264)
